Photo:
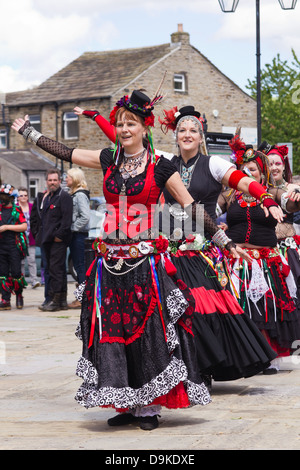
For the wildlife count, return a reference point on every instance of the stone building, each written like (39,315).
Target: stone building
(96,80)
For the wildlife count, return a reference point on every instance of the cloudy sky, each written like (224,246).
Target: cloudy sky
(40,37)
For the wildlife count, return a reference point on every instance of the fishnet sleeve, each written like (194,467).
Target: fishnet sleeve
(57,149)
(224,200)
(53,147)
(202,219)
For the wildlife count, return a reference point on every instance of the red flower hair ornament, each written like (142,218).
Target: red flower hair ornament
(169,121)
(238,148)
(173,116)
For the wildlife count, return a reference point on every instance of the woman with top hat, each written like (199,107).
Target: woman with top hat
(229,345)
(138,347)
(265,286)
(201,266)
(13,248)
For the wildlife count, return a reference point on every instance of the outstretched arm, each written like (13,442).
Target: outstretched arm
(176,188)
(236,179)
(87,158)
(287,200)
(104,125)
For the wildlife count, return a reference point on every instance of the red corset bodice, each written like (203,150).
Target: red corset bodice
(131,214)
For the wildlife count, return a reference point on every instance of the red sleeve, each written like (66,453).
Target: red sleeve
(106,127)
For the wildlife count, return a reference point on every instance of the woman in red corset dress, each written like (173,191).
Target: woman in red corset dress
(265,286)
(228,344)
(138,347)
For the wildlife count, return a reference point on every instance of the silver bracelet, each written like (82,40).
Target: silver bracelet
(284,201)
(220,238)
(32,134)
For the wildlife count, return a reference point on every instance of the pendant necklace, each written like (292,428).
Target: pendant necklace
(186,173)
(130,166)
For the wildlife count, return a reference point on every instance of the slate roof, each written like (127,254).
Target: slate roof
(92,75)
(26,160)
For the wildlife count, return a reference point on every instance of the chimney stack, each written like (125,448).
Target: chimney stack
(180,36)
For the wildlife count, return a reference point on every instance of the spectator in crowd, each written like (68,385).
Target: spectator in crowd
(13,247)
(36,231)
(26,207)
(53,234)
(80,223)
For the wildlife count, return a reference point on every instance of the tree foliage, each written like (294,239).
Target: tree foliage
(280,104)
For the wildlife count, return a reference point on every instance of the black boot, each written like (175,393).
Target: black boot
(148,423)
(5,305)
(54,304)
(63,301)
(122,419)
(19,301)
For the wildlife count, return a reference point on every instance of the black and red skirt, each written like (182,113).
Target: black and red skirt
(138,343)
(267,292)
(228,343)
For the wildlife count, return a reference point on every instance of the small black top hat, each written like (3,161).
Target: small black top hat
(265,147)
(138,103)
(187,111)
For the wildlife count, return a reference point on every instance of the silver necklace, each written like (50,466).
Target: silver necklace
(129,169)
(130,165)
(186,173)
(128,155)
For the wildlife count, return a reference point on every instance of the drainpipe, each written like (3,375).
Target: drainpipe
(56,127)
(4,121)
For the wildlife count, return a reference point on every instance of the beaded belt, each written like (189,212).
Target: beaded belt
(134,250)
(258,253)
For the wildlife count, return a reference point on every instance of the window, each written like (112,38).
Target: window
(35,120)
(70,126)
(179,82)
(33,189)
(3,139)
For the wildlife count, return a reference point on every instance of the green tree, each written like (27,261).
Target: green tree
(280,104)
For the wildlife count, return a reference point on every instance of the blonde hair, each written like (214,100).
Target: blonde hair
(78,179)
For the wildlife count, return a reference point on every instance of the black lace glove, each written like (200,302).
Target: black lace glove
(204,221)
(53,147)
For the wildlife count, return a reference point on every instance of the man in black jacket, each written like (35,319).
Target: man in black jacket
(51,226)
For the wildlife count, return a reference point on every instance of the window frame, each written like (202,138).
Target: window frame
(35,120)
(33,185)
(65,130)
(3,137)
(180,78)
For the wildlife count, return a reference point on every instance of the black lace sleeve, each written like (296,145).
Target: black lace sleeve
(164,168)
(106,159)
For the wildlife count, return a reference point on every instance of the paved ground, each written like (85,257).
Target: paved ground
(38,356)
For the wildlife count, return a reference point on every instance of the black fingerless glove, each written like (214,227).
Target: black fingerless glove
(57,149)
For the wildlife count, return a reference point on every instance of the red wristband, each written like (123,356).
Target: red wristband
(256,190)
(235,178)
(90,114)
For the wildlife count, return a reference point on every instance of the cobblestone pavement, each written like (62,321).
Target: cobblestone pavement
(38,356)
